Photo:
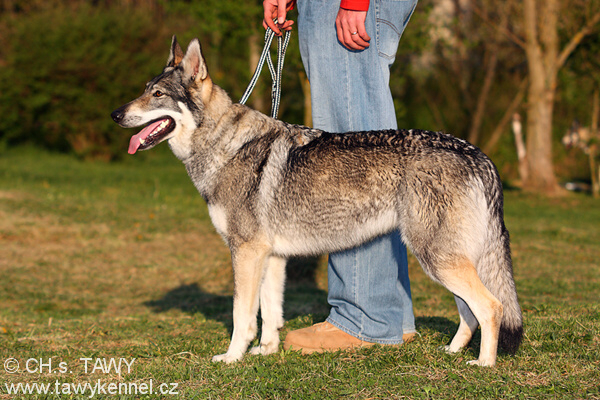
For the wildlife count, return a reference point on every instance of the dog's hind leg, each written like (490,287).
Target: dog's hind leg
(461,278)
(248,268)
(271,306)
(468,326)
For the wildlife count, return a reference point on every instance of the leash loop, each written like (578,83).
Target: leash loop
(276,73)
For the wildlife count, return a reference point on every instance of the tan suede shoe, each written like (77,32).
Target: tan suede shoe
(324,337)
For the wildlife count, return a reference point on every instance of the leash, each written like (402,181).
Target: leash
(282,43)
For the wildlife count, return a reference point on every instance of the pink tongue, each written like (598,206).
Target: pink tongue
(134,142)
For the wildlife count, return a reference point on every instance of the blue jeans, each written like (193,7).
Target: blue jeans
(369,289)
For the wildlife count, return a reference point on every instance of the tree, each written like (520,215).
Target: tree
(585,66)
(467,72)
(548,32)
(544,59)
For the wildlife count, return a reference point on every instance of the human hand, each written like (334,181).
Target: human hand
(277,9)
(351,30)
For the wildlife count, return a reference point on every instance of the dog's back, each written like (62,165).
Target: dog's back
(369,183)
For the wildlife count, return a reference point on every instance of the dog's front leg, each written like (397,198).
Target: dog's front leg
(248,267)
(271,306)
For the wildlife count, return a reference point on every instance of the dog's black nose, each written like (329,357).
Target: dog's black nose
(117,116)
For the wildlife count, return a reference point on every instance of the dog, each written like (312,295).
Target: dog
(276,190)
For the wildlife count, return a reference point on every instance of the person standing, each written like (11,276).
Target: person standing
(347,49)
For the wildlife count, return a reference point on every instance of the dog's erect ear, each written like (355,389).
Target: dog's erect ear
(176,54)
(193,64)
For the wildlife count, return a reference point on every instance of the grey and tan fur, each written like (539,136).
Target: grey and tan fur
(276,190)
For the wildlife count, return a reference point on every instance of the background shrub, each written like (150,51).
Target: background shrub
(66,68)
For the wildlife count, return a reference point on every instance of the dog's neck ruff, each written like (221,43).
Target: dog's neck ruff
(188,160)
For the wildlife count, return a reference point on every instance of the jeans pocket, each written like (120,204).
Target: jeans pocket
(392,17)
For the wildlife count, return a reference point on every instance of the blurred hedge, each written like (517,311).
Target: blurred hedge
(66,64)
(64,69)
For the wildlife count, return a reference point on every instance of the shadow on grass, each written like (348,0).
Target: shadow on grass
(192,299)
(509,187)
(439,324)
(302,298)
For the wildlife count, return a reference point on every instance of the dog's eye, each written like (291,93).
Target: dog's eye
(158,93)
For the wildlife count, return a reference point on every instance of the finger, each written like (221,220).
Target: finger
(287,26)
(268,23)
(359,32)
(362,33)
(357,37)
(281,11)
(343,34)
(339,26)
(269,10)
(347,28)
(349,41)
(359,41)
(350,35)
(340,31)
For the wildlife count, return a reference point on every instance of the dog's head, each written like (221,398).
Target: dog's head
(171,107)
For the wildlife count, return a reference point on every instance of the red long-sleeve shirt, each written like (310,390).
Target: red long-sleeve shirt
(355,5)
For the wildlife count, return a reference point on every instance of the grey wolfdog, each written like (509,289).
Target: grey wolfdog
(276,190)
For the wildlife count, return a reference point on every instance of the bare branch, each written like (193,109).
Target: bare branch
(576,39)
(490,74)
(497,133)
(500,28)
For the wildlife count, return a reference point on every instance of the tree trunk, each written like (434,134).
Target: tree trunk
(540,176)
(595,145)
(542,59)
(307,101)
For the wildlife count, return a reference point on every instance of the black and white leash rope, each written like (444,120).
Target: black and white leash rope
(282,43)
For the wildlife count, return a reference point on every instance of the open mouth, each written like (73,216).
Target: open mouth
(154,133)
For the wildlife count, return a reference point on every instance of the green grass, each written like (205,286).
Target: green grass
(120,261)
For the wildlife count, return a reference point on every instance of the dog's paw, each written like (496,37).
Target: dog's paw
(482,363)
(449,350)
(265,349)
(227,358)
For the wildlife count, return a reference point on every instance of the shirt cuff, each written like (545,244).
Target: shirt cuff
(355,5)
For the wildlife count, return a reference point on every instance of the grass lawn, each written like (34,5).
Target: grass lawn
(120,262)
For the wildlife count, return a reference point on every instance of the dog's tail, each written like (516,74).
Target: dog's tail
(503,288)
(496,272)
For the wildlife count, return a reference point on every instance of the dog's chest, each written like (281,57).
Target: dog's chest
(218,217)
